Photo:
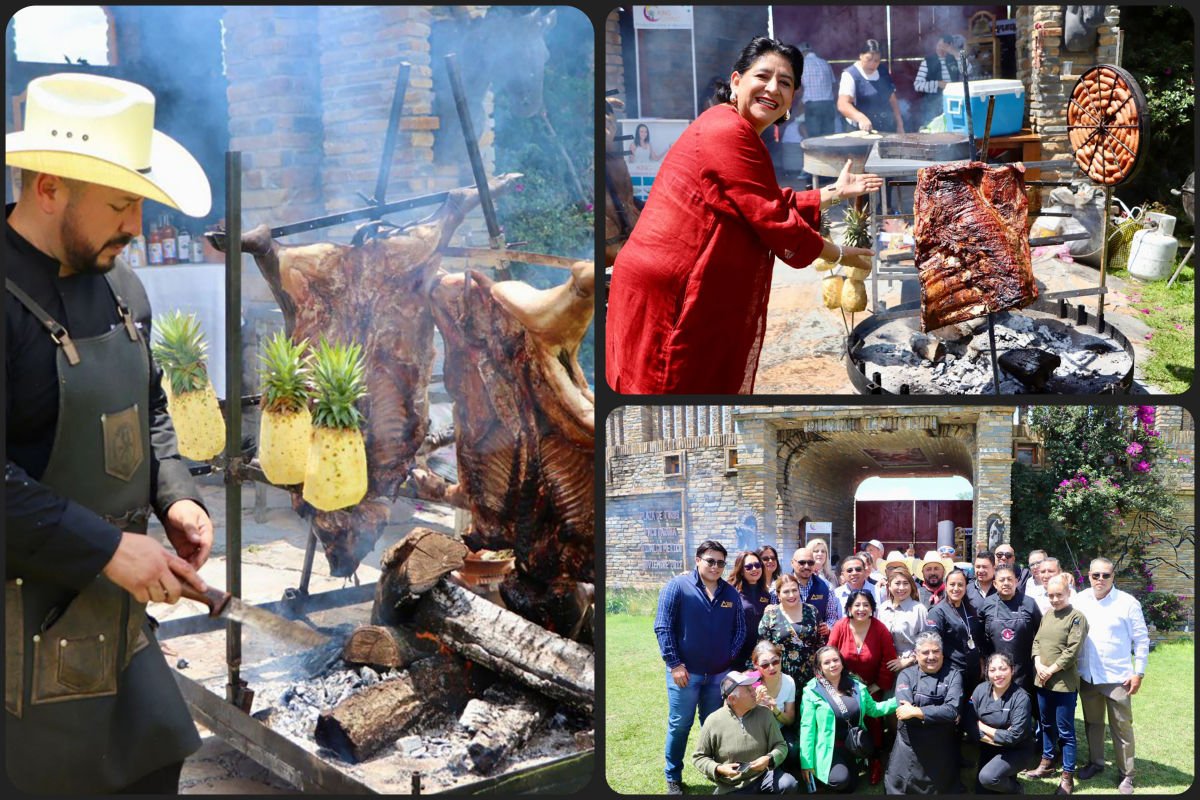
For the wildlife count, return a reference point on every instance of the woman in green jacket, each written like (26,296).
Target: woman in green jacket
(832,702)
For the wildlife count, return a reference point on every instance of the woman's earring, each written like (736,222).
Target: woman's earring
(787,115)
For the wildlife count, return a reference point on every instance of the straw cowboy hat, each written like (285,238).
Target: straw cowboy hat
(896,558)
(101,130)
(933,557)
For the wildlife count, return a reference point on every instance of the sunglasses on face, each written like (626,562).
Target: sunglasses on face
(751,566)
(806,563)
(772,663)
(1005,555)
(714,562)
(769,560)
(1101,576)
(853,569)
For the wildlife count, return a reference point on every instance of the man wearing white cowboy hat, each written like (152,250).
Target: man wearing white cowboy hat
(91,704)
(932,572)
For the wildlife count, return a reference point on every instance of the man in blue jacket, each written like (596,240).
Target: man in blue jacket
(700,629)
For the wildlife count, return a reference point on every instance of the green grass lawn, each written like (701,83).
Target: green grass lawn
(1171,315)
(636,720)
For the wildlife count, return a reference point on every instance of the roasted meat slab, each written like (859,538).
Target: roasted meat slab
(375,293)
(525,434)
(972,249)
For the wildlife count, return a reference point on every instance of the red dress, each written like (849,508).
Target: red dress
(688,303)
(870,663)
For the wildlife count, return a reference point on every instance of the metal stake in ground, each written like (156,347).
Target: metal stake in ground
(495,237)
(991,317)
(962,68)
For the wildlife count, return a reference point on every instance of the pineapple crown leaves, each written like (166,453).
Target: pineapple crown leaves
(179,348)
(857,233)
(339,377)
(286,375)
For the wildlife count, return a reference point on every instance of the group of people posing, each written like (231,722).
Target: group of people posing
(802,678)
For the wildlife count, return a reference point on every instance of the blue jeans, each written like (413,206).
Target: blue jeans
(703,692)
(1057,712)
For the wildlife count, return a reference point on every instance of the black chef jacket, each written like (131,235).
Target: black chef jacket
(48,536)
(956,631)
(1009,628)
(1011,715)
(976,597)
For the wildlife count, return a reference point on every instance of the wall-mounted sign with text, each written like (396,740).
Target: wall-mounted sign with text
(660,17)
(649,527)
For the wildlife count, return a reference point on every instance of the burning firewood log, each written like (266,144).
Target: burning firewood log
(524,419)
(373,718)
(375,294)
(500,721)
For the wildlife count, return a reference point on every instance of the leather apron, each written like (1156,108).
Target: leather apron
(91,703)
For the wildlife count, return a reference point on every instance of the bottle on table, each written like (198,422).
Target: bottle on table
(170,253)
(154,250)
(183,245)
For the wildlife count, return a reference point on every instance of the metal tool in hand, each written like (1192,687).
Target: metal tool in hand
(223,604)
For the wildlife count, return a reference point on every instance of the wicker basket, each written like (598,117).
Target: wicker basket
(1120,239)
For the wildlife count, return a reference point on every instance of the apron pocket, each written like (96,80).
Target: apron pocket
(14,648)
(76,657)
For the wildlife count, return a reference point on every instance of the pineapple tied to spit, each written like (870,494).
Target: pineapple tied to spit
(285,428)
(336,472)
(855,269)
(179,348)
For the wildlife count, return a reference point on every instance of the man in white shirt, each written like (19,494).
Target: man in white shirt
(854,576)
(1046,569)
(1116,628)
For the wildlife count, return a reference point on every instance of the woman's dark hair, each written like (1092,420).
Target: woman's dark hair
(637,133)
(774,554)
(846,682)
(760,46)
(956,571)
(870,46)
(738,578)
(857,593)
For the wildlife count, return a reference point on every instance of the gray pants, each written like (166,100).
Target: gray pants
(1096,699)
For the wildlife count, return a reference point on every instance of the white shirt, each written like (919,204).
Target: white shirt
(846,82)
(787,691)
(1116,628)
(905,621)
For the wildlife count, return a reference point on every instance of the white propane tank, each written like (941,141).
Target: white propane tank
(1152,255)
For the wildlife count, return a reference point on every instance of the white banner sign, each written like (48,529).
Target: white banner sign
(662,17)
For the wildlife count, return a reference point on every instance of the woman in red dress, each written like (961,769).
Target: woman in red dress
(688,303)
(866,646)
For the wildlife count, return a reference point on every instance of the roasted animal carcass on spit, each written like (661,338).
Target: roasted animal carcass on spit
(524,421)
(972,248)
(375,293)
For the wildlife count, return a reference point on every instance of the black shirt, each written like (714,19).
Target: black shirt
(959,628)
(1009,628)
(1011,715)
(48,536)
(977,597)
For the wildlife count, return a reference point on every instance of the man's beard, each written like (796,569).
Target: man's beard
(79,255)
(933,581)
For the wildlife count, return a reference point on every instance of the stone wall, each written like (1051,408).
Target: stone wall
(1049,91)
(614,59)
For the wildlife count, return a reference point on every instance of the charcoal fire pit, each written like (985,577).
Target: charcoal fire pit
(1049,347)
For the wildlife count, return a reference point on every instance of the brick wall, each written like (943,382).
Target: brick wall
(614,60)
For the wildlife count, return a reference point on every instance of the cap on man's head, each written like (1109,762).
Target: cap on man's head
(874,543)
(735,679)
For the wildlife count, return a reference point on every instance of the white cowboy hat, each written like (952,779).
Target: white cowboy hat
(101,130)
(895,557)
(933,557)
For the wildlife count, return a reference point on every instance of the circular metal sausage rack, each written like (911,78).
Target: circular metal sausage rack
(1106,124)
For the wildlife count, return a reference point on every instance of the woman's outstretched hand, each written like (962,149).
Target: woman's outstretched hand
(852,184)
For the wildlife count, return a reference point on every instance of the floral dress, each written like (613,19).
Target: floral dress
(797,642)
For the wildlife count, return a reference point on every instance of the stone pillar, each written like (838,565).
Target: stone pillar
(614,64)
(757,473)
(993,470)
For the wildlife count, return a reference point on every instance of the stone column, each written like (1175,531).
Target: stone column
(993,470)
(757,472)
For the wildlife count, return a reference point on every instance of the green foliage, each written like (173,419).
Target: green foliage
(1159,52)
(1101,465)
(285,375)
(1163,609)
(179,348)
(631,601)
(339,376)
(1171,314)
(547,214)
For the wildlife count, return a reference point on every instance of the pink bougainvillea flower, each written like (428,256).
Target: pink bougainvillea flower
(1134,449)
(1142,466)
(1145,311)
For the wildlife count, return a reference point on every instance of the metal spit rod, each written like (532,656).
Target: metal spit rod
(495,237)
(235,689)
(389,140)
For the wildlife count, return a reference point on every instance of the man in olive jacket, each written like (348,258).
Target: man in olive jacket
(741,748)
(91,706)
